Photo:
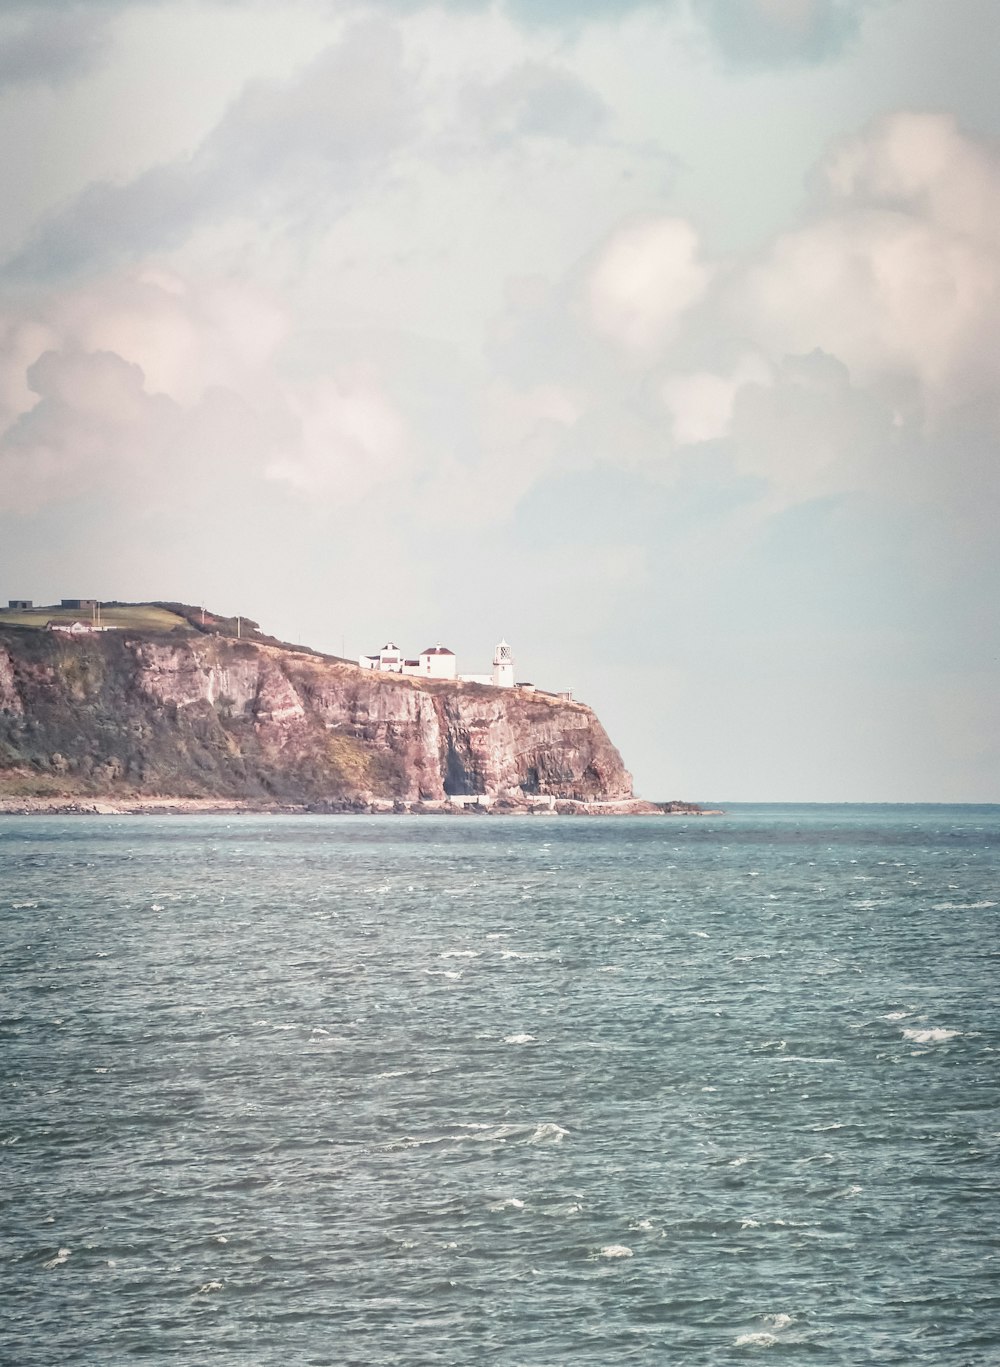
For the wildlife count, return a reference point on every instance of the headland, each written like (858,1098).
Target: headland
(157,707)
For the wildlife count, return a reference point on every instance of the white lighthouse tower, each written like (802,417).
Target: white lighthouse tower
(503,667)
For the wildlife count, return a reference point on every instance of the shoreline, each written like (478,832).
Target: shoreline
(162,805)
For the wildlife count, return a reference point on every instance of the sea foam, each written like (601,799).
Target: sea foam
(931,1035)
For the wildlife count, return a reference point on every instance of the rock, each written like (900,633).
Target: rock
(201,716)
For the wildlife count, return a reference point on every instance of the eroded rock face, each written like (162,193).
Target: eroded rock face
(208,715)
(10,699)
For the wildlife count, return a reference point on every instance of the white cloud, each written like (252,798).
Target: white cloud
(346,437)
(701,403)
(151,370)
(644,279)
(897,273)
(93,417)
(924,163)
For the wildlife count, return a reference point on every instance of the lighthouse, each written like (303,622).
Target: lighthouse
(503,667)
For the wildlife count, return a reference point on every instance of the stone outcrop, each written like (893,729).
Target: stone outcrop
(10,699)
(201,716)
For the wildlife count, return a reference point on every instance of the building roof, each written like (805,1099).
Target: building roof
(437,650)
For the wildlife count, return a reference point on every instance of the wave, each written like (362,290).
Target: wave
(930,1035)
(769,1335)
(508,1203)
(548,1133)
(963,906)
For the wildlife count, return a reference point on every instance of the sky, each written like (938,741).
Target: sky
(662,339)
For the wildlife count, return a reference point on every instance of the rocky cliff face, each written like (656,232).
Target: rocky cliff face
(199,716)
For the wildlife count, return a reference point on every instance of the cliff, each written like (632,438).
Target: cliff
(191,715)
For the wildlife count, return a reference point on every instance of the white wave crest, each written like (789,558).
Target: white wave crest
(519,1039)
(931,1035)
(767,1337)
(460,954)
(962,906)
(548,1133)
(508,1203)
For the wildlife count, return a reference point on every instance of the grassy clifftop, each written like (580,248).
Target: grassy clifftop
(123,616)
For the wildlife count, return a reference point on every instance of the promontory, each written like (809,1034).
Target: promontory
(170,704)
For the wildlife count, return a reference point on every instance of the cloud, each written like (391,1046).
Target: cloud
(897,270)
(284,151)
(700,403)
(145,375)
(186,335)
(832,360)
(748,33)
(809,432)
(345,439)
(92,416)
(40,48)
(644,279)
(536,100)
(920,163)
(768,33)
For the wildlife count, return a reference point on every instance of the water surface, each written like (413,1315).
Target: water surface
(309,1090)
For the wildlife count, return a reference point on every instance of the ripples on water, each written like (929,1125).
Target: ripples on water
(589,1091)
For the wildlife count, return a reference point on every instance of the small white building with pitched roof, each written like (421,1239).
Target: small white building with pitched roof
(437,662)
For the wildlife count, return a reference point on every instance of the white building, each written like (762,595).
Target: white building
(438,662)
(389,660)
(74,628)
(503,666)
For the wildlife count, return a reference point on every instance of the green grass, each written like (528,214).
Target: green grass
(130,616)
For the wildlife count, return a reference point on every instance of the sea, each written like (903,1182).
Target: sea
(523,1091)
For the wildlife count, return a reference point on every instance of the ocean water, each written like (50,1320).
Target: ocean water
(335,1090)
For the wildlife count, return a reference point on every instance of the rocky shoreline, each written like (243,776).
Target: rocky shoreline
(211,806)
